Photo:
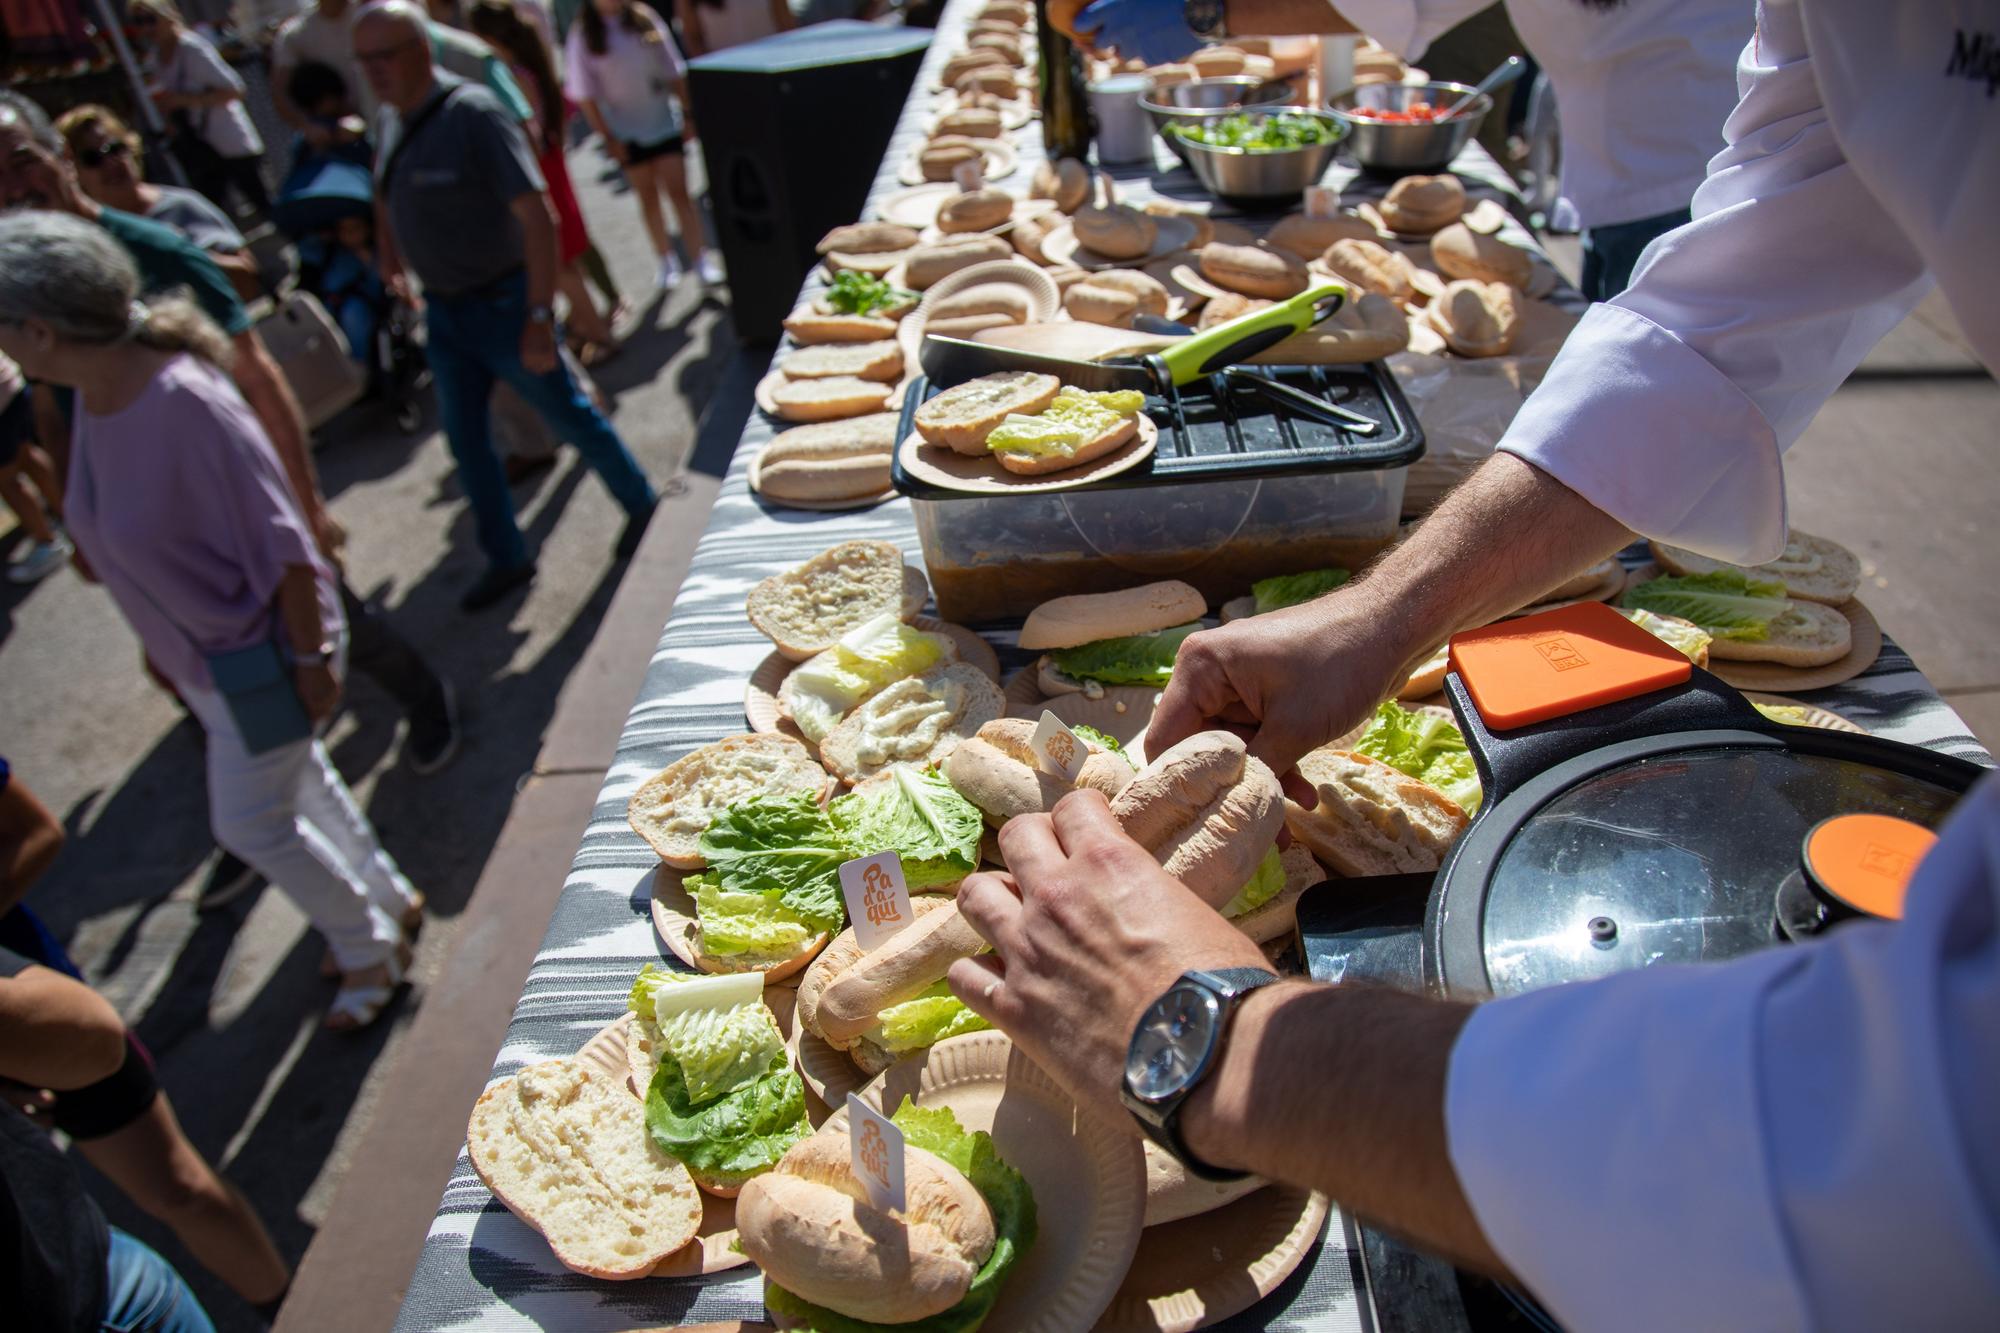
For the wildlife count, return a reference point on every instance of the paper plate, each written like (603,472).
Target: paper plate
(760,697)
(1814,715)
(1201,1270)
(674,922)
(1170,236)
(1122,713)
(1014,112)
(1021,691)
(1044,299)
(1088,1177)
(1000,160)
(817,506)
(983,476)
(828,1072)
(1864,646)
(916,205)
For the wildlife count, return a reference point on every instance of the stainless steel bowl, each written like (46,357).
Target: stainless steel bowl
(1391,149)
(1264,175)
(1209,99)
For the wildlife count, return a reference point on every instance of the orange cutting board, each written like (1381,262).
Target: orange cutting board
(1530,670)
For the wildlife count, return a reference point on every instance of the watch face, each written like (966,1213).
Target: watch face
(1172,1039)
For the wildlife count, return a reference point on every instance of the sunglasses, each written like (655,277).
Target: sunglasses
(104,152)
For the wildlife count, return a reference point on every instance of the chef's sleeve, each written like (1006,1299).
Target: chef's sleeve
(1670,407)
(1407,27)
(1799,1139)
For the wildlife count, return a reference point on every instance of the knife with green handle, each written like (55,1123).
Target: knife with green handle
(952,361)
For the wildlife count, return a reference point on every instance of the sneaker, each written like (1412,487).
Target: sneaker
(494,584)
(709,266)
(229,880)
(634,533)
(433,735)
(670,271)
(41,560)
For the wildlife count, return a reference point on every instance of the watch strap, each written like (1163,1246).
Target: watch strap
(1228,984)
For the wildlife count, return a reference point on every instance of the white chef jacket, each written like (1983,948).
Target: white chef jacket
(1863,159)
(1643,89)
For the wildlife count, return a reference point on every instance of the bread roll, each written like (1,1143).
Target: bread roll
(1372,267)
(902,968)
(1028,233)
(674,807)
(825,480)
(1092,303)
(974,122)
(917,720)
(1207,810)
(941,157)
(829,399)
(1813,569)
(842,953)
(867,238)
(1372,819)
(875,263)
(1108,440)
(1367,329)
(1173,1193)
(1167,76)
(806,609)
(975,210)
(1254,270)
(1230,305)
(809,328)
(1419,205)
(1216,62)
(1068,622)
(996,79)
(1460,252)
(1066,180)
(968,326)
(1476,319)
(928,265)
(963,416)
(809,1226)
(1307,238)
(1115,231)
(831,440)
(997,771)
(986,298)
(881,361)
(1807,635)
(966,61)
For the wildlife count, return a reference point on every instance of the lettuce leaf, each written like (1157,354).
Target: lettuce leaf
(821,690)
(1427,748)
(1096,737)
(735,1136)
(755,927)
(1690,640)
(921,817)
(716,1046)
(1007,1195)
(1075,416)
(1264,885)
(926,1019)
(1727,603)
(1134,659)
(781,844)
(1275,594)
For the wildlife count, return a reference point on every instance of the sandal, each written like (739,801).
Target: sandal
(412,922)
(356,1006)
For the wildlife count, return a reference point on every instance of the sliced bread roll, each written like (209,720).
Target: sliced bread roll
(825,480)
(805,610)
(1813,569)
(853,438)
(810,328)
(1276,918)
(1807,635)
(917,720)
(1067,622)
(1207,810)
(569,1153)
(1427,677)
(1108,440)
(975,210)
(987,298)
(1308,238)
(842,953)
(880,361)
(963,416)
(868,238)
(672,809)
(930,264)
(1254,270)
(1372,819)
(901,968)
(829,399)
(997,771)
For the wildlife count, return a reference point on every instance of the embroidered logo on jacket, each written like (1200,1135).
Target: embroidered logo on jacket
(1975,56)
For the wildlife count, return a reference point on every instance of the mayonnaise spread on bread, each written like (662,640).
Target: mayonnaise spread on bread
(908,722)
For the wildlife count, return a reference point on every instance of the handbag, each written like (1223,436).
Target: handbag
(313,354)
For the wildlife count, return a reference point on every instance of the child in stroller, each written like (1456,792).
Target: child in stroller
(327,207)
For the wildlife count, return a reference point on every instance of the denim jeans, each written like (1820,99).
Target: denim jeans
(143,1293)
(1609,253)
(475,340)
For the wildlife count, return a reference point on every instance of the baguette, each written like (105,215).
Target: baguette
(1372,819)
(568,1152)
(672,809)
(1812,569)
(1207,810)
(919,719)
(805,610)
(996,769)
(963,416)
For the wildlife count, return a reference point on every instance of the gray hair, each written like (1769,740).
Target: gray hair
(20,107)
(72,276)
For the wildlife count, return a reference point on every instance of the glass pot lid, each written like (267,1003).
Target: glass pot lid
(1672,854)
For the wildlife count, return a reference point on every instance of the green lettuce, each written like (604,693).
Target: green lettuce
(1427,748)
(918,815)
(718,1044)
(1076,416)
(1727,603)
(785,845)
(1264,885)
(1274,594)
(752,926)
(1007,1195)
(1096,737)
(925,1020)
(864,294)
(821,690)
(740,1134)
(1134,659)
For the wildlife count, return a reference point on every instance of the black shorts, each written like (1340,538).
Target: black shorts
(17,426)
(110,1104)
(636,152)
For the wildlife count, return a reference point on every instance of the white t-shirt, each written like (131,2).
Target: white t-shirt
(312,37)
(632,82)
(1642,88)
(195,67)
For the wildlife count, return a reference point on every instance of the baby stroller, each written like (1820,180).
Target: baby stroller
(327,207)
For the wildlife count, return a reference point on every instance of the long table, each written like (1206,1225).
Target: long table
(481,1267)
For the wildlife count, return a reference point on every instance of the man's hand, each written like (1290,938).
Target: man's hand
(1088,931)
(1289,681)
(328,534)
(538,346)
(1154,31)
(319,689)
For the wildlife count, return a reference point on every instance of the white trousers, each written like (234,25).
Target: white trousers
(288,814)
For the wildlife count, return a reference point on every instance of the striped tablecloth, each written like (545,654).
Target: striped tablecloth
(481,1267)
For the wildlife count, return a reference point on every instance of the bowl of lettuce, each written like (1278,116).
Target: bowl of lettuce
(1261,156)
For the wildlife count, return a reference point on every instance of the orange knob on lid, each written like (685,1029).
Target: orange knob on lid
(1865,861)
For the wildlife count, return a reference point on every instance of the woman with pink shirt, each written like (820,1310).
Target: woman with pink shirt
(178,505)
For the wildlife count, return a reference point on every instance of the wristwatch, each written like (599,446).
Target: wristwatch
(541,314)
(1206,18)
(1173,1049)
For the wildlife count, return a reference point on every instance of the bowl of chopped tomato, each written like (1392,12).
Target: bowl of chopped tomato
(1396,129)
